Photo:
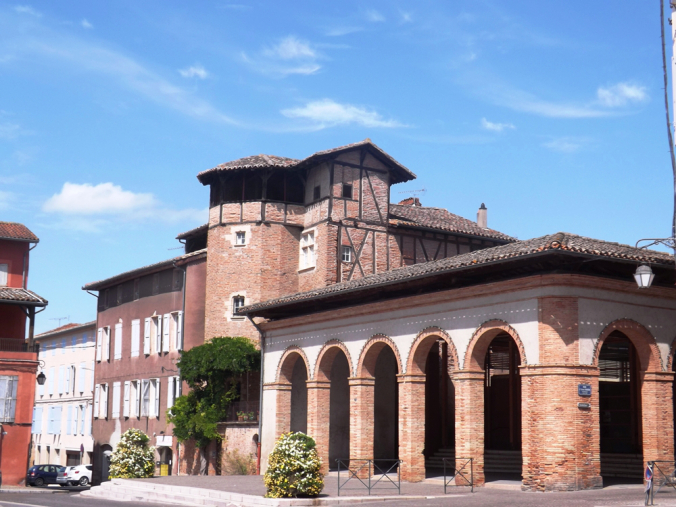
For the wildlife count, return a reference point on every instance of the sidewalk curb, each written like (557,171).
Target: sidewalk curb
(33,490)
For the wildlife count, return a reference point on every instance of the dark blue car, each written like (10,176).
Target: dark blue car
(41,475)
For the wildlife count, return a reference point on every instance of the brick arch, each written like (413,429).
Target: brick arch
(417,354)
(369,353)
(482,338)
(649,356)
(288,361)
(327,355)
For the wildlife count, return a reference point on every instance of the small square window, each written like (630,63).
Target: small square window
(346,254)
(240,238)
(237,303)
(347,191)
(318,192)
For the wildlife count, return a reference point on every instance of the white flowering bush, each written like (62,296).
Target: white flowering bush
(132,458)
(293,468)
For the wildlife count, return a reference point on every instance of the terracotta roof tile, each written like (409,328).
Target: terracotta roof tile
(439,218)
(66,327)
(17,232)
(14,295)
(193,232)
(561,242)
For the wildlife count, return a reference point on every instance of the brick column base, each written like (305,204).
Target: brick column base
(560,441)
(658,418)
(469,421)
(412,426)
(361,421)
(319,417)
(282,407)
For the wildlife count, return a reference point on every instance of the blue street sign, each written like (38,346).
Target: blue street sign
(584,390)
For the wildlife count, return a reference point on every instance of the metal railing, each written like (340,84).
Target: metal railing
(369,473)
(659,474)
(17,345)
(458,474)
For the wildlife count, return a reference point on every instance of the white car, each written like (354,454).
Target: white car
(80,475)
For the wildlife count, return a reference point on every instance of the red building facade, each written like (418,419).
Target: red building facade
(18,357)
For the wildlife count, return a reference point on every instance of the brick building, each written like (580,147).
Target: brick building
(18,356)
(145,317)
(62,414)
(539,358)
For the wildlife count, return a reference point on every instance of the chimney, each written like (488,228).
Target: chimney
(410,201)
(482,217)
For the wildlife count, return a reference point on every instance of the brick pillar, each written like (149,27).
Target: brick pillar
(361,421)
(282,406)
(469,420)
(560,441)
(319,417)
(658,418)
(412,426)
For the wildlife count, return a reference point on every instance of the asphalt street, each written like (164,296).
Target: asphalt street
(60,499)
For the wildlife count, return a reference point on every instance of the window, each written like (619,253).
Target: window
(54,426)
(154,398)
(118,341)
(347,191)
(240,238)
(166,331)
(156,332)
(173,390)
(346,254)
(134,398)
(307,246)
(103,344)
(135,337)
(37,420)
(82,418)
(63,345)
(81,378)
(8,388)
(50,381)
(4,269)
(317,192)
(145,398)
(177,330)
(237,303)
(73,341)
(101,401)
(69,419)
(116,400)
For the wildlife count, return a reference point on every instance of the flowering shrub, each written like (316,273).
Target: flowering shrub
(293,468)
(132,457)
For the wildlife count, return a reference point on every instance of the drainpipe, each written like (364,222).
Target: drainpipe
(260,398)
(25,260)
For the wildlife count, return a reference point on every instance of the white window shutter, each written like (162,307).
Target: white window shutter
(82,420)
(106,343)
(99,338)
(61,375)
(118,341)
(104,400)
(179,332)
(50,381)
(81,378)
(91,382)
(96,400)
(116,400)
(59,420)
(146,337)
(88,421)
(170,392)
(125,408)
(135,337)
(165,334)
(35,419)
(158,334)
(69,419)
(67,380)
(157,398)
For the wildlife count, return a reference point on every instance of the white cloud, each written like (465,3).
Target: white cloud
(342,30)
(406,17)
(289,56)
(27,9)
(621,94)
(87,207)
(495,127)
(104,198)
(327,113)
(10,130)
(86,24)
(291,48)
(374,16)
(5,199)
(566,144)
(194,71)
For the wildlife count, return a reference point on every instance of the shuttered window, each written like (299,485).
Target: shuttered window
(135,337)
(118,341)
(116,400)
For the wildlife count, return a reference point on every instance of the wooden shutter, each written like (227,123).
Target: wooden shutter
(158,334)
(125,408)
(170,392)
(99,338)
(96,401)
(67,380)
(116,400)
(50,381)
(69,419)
(104,400)
(61,375)
(157,398)
(81,378)
(179,332)
(118,341)
(146,337)
(165,332)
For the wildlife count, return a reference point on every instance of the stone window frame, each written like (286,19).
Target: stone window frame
(346,253)
(305,247)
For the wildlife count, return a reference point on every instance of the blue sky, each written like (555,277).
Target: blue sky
(552,115)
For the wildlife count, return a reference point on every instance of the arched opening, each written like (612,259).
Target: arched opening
(339,410)
(106,452)
(166,460)
(620,410)
(299,396)
(386,409)
(439,409)
(502,410)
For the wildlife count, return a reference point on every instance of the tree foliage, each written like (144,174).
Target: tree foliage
(293,468)
(211,371)
(132,458)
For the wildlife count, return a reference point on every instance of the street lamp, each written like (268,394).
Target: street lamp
(644,276)
(41,379)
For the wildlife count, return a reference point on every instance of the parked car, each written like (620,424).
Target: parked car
(62,476)
(80,475)
(40,475)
